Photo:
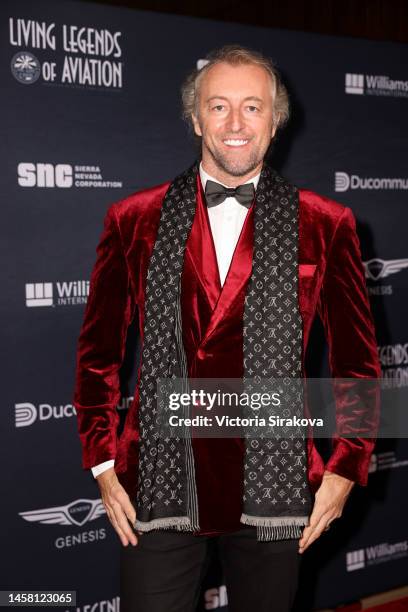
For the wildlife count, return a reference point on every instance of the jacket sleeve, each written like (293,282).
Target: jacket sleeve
(101,345)
(349,328)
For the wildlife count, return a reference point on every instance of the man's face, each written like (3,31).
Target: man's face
(235,118)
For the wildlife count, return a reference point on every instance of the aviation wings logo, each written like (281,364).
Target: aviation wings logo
(78,512)
(380,268)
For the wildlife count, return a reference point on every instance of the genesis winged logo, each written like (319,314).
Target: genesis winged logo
(77,512)
(380,268)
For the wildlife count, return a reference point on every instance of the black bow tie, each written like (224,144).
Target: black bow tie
(216,193)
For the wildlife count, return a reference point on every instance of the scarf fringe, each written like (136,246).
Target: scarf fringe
(179,523)
(276,528)
(268,529)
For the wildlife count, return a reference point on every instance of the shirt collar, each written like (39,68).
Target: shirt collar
(204,176)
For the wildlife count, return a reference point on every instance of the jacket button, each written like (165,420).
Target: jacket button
(201,354)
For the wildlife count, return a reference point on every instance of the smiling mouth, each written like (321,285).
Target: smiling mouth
(235,142)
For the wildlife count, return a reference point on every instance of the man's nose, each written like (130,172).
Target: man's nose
(235,120)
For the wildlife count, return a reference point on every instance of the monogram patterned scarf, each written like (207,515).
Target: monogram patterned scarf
(276,496)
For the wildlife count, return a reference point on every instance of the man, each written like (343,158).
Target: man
(228,266)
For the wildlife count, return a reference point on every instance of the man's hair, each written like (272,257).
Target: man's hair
(235,55)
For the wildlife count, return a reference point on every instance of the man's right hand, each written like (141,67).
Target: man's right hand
(118,506)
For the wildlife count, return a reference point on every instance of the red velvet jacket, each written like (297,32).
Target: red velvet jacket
(331,283)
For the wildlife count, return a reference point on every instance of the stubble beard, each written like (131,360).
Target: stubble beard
(237,167)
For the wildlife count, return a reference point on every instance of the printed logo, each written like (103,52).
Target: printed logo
(394,366)
(344,182)
(66,293)
(387,460)
(45,174)
(78,513)
(104,605)
(375,85)
(354,83)
(73,56)
(39,294)
(355,560)
(373,555)
(25,67)
(381,268)
(377,269)
(26,413)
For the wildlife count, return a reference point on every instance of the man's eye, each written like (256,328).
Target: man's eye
(218,107)
(252,108)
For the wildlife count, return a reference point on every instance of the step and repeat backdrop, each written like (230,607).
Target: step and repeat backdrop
(91,113)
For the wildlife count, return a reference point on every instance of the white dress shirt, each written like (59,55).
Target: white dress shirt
(226,220)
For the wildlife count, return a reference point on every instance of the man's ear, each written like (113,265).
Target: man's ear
(196,124)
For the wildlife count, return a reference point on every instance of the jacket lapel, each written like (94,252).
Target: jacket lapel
(200,251)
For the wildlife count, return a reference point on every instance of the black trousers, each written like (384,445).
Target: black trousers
(163,573)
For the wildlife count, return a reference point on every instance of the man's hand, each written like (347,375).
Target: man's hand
(118,506)
(329,503)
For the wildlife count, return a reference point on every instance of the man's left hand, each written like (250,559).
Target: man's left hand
(328,505)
